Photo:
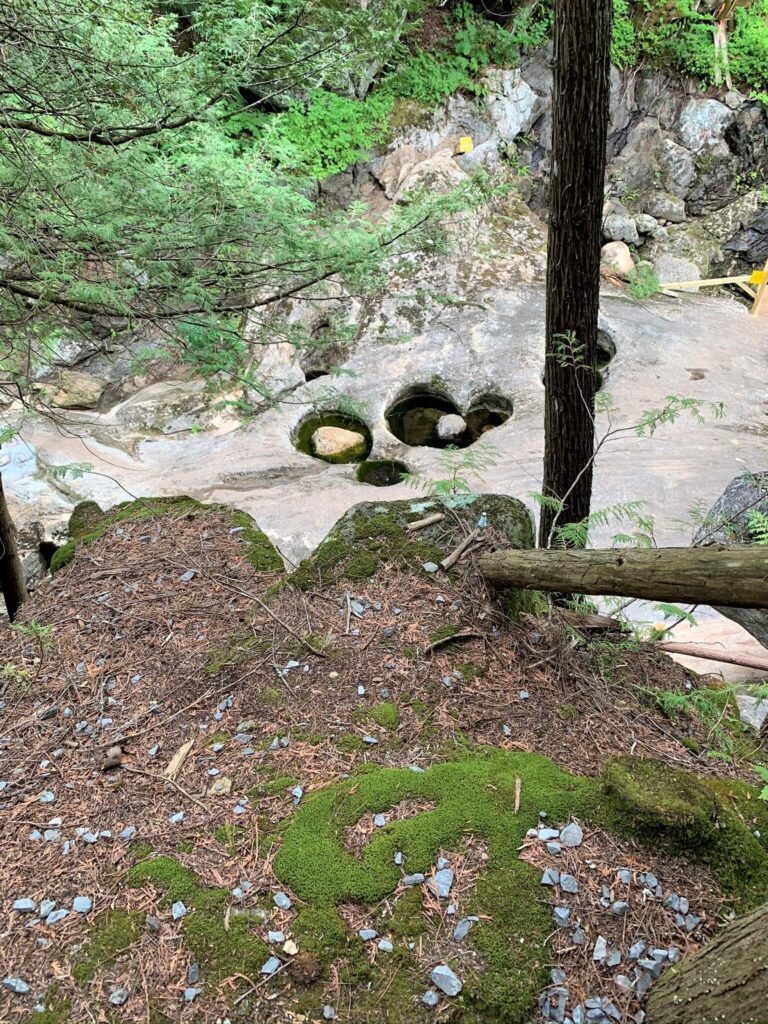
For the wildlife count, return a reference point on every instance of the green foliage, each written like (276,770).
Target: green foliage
(111,935)
(643,282)
(326,133)
(386,715)
(463,467)
(762,771)
(758,527)
(623,41)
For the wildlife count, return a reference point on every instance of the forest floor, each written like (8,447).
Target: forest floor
(174,721)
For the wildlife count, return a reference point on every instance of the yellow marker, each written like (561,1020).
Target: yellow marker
(758,277)
(466,145)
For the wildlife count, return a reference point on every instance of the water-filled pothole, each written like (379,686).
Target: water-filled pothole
(333,437)
(426,417)
(381,472)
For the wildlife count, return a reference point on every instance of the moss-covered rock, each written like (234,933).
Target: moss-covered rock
(714,820)
(372,535)
(89,522)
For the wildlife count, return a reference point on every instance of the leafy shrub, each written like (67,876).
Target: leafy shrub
(327,133)
(643,282)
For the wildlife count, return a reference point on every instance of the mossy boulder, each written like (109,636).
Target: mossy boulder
(372,535)
(721,822)
(89,522)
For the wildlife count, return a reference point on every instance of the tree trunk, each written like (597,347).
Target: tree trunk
(11,575)
(713,575)
(726,982)
(580,126)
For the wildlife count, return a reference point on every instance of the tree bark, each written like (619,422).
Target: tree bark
(11,575)
(725,982)
(713,575)
(581,94)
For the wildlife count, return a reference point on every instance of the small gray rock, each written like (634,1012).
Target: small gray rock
(600,951)
(385,946)
(178,910)
(153,923)
(329,1013)
(176,819)
(16,985)
(56,916)
(399,858)
(636,950)
(430,567)
(442,883)
(562,916)
(128,833)
(463,927)
(569,884)
(444,979)
(619,908)
(47,797)
(275,937)
(190,994)
(415,879)
(579,938)
(554,848)
(430,998)
(572,835)
(551,876)
(546,834)
(368,934)
(82,904)
(281,901)
(271,966)
(118,996)
(380,821)
(46,907)
(25,906)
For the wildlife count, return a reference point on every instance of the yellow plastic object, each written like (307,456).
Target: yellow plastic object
(758,277)
(466,145)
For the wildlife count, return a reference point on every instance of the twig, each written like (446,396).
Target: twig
(422,524)
(437,644)
(456,554)
(167,781)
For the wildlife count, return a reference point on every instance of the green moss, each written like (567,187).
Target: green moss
(231,836)
(518,603)
(274,786)
(262,553)
(443,633)
(470,671)
(218,737)
(349,743)
(303,436)
(386,715)
(111,934)
(185,847)
(473,794)
(56,1007)
(238,650)
(224,946)
(708,818)
(88,523)
(568,712)
(142,850)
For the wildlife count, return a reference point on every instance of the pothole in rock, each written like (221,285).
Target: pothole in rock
(333,437)
(381,472)
(606,353)
(427,417)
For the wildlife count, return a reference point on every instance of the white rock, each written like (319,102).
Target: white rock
(512,103)
(703,123)
(616,259)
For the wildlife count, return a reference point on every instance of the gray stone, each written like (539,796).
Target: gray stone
(569,884)
(275,937)
(691,922)
(430,998)
(618,228)
(178,910)
(554,848)
(82,904)
(623,982)
(625,876)
(367,934)
(271,965)
(380,821)
(562,916)
(46,907)
(190,994)
(551,876)
(430,567)
(415,879)
(16,985)
(25,906)
(545,834)
(665,206)
(703,123)
(619,908)
(636,950)
(128,833)
(56,916)
(281,901)
(450,427)
(616,260)
(398,858)
(673,269)
(600,952)
(328,1012)
(646,225)
(177,818)
(512,103)
(385,946)
(118,996)
(572,835)
(441,883)
(152,923)
(579,938)
(444,979)
(47,797)
(463,928)
(677,168)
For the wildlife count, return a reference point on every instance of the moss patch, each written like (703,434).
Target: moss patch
(386,715)
(707,818)
(111,934)
(473,794)
(373,535)
(89,523)
(224,948)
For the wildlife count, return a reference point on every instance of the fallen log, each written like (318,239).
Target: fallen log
(715,654)
(729,574)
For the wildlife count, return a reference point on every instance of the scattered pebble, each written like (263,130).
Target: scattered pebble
(177,818)
(275,937)
(271,966)
(444,979)
(367,934)
(47,797)
(463,928)
(551,876)
(385,946)
(16,985)
(441,883)
(416,879)
(569,884)
(329,1013)
(281,901)
(399,858)
(572,835)
(25,906)
(430,998)
(56,916)
(178,910)
(118,996)
(190,994)
(380,821)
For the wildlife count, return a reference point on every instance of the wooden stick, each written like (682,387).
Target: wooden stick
(701,651)
(421,524)
(437,644)
(456,554)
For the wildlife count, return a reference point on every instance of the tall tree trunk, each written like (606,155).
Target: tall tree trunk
(726,982)
(580,126)
(11,575)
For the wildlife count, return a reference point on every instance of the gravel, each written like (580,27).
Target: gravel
(416,879)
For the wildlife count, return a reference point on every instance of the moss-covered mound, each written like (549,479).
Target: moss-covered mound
(373,535)
(718,821)
(89,522)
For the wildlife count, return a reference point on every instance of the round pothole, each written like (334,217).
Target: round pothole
(426,417)
(381,472)
(333,437)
